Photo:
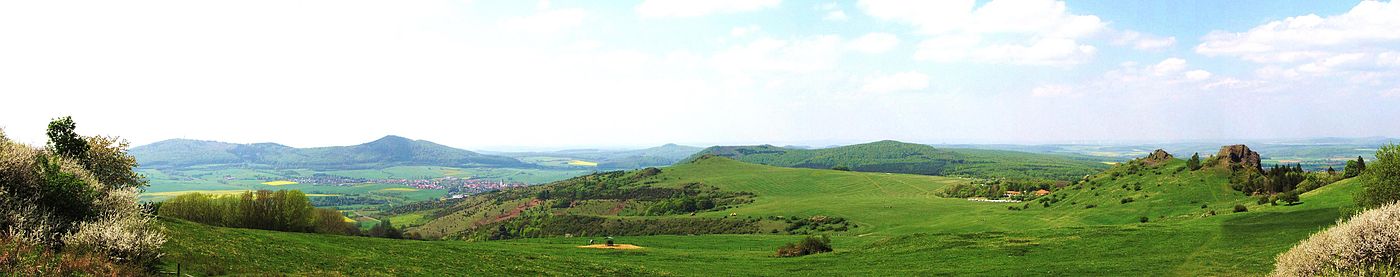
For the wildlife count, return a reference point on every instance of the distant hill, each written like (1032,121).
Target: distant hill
(620,159)
(899,157)
(387,151)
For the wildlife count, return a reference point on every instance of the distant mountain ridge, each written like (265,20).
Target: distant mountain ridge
(387,151)
(663,155)
(900,157)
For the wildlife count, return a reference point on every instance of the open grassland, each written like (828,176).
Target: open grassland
(904,230)
(1228,245)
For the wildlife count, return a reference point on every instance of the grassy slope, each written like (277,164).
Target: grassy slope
(899,157)
(914,233)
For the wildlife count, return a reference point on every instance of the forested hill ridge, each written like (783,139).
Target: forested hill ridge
(387,151)
(900,157)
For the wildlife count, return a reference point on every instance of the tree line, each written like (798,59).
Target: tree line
(283,210)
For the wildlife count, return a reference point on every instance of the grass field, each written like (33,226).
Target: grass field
(582,163)
(906,230)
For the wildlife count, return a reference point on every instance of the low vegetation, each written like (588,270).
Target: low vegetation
(72,206)
(1368,244)
(807,246)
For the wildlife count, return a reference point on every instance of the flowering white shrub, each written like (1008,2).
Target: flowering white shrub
(1367,244)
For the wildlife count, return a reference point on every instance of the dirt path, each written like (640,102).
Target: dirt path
(614,246)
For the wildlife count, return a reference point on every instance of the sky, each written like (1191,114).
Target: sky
(562,74)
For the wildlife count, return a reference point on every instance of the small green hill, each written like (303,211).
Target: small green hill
(899,157)
(1136,189)
(385,152)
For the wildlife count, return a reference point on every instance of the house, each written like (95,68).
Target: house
(1012,193)
(1041,192)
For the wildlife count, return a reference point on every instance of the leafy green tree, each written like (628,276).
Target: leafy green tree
(1354,168)
(64,140)
(1381,183)
(1195,162)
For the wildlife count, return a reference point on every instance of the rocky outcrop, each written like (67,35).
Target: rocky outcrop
(1157,157)
(1232,155)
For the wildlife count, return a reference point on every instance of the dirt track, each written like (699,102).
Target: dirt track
(615,246)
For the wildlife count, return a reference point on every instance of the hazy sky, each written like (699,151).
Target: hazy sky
(489,74)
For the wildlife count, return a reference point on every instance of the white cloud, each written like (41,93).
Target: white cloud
(1144,42)
(833,12)
(1030,32)
(1168,66)
(776,55)
(1053,91)
(875,43)
(1198,75)
(1369,27)
(837,15)
(1048,51)
(546,21)
(743,30)
(903,81)
(689,8)
(1166,72)
(929,16)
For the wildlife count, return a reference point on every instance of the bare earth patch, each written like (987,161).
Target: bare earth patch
(614,246)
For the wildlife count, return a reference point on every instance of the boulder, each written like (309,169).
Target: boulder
(1239,154)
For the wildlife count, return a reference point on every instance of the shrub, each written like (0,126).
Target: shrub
(807,246)
(1142,219)
(1241,208)
(1289,197)
(1368,244)
(76,199)
(1125,200)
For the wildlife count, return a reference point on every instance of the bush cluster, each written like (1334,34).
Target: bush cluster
(807,246)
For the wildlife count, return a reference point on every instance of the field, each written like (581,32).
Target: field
(905,230)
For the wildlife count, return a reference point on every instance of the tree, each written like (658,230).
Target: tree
(1289,197)
(106,158)
(1354,168)
(1381,183)
(1195,162)
(841,168)
(64,140)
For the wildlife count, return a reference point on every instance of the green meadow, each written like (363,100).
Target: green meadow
(904,229)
